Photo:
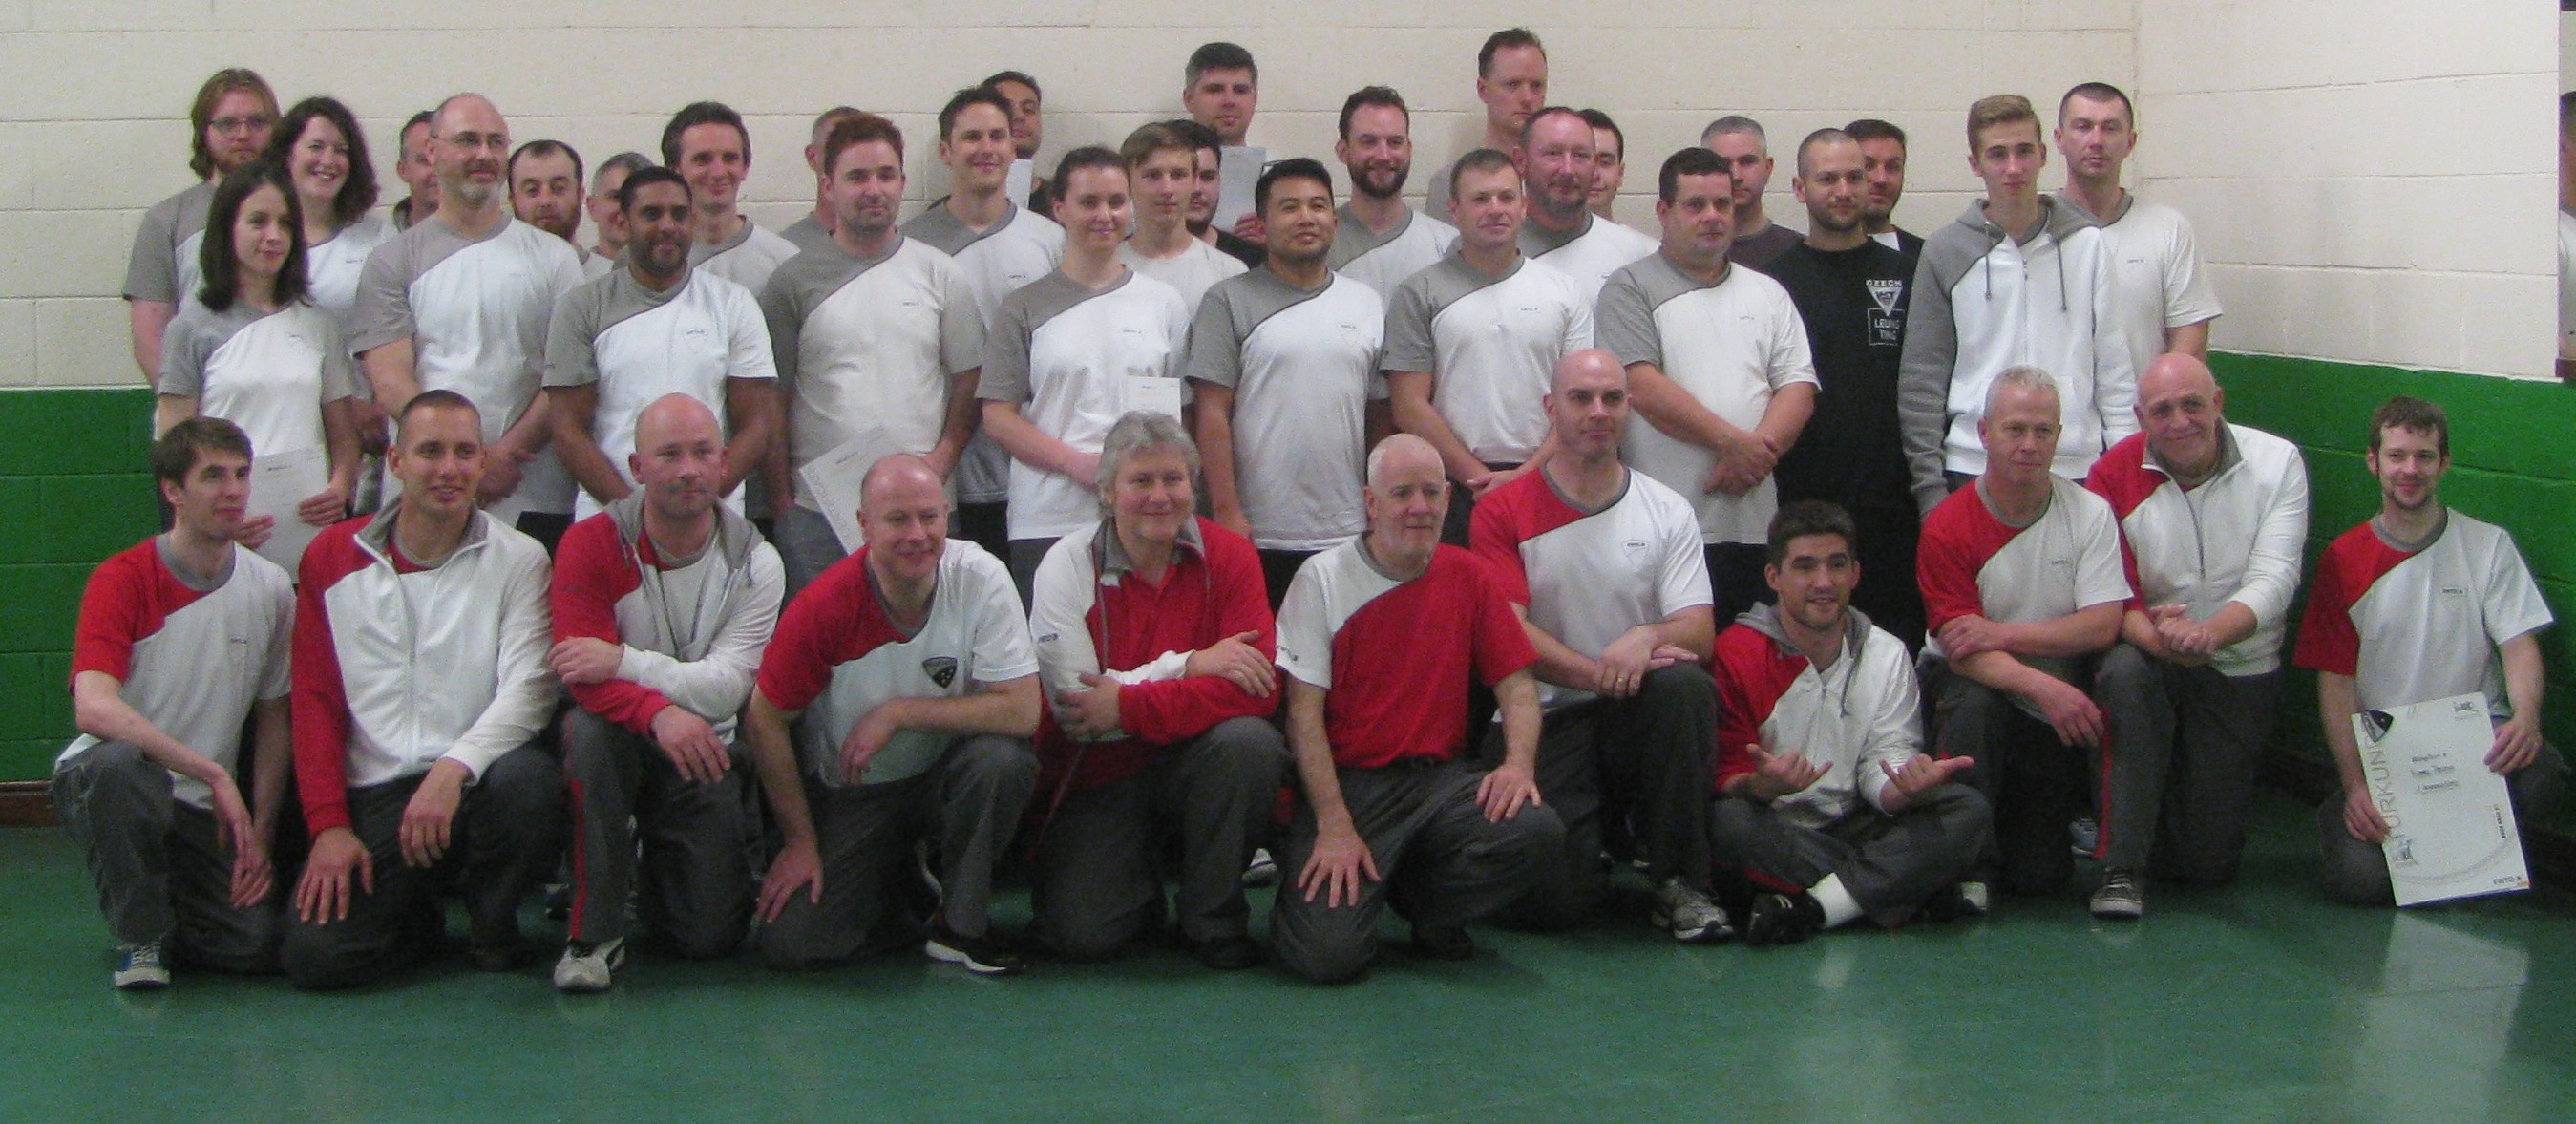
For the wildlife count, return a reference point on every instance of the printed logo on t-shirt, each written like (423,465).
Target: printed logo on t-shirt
(2454,591)
(1886,327)
(941,670)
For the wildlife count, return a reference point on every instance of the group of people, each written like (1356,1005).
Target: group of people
(1156,551)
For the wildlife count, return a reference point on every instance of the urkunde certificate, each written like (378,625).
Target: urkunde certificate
(2451,831)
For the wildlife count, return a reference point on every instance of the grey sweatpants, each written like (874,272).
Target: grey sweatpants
(502,845)
(1100,877)
(2031,780)
(970,801)
(1444,864)
(2185,743)
(696,898)
(1889,863)
(1604,764)
(160,876)
(2356,873)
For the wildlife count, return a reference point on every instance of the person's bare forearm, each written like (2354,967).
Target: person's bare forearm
(272,759)
(2524,679)
(751,407)
(1030,445)
(1215,427)
(99,709)
(1409,399)
(2337,701)
(773,757)
(1791,408)
(1009,709)
(2190,339)
(149,321)
(1517,700)
(1314,752)
(574,409)
(340,442)
(391,375)
(1674,412)
(2080,633)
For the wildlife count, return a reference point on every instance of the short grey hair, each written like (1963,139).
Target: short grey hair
(1735,123)
(2025,377)
(1134,433)
(626,162)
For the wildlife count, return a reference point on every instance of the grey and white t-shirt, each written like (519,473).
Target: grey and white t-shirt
(1064,352)
(1191,273)
(637,345)
(746,259)
(1491,345)
(268,372)
(163,266)
(1302,364)
(331,269)
(1383,261)
(1589,254)
(998,260)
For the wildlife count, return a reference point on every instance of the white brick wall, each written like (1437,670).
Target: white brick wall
(2371,179)
(2401,232)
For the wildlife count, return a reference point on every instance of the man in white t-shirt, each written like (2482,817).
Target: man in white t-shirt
(1603,565)
(181,638)
(1511,81)
(1473,341)
(1555,156)
(1378,240)
(2165,300)
(894,705)
(1718,362)
(707,143)
(461,301)
(1284,364)
(878,342)
(2022,586)
(1162,163)
(2417,604)
(655,327)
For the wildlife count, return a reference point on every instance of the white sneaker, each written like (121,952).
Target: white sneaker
(139,967)
(589,968)
(1262,870)
(1690,915)
(2121,898)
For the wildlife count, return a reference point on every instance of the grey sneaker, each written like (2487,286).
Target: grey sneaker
(1262,870)
(589,968)
(2121,898)
(1690,915)
(2082,836)
(139,967)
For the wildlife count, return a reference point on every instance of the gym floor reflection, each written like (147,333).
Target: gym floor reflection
(2260,1002)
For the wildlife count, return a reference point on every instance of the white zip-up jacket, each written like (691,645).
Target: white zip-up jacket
(1853,718)
(397,666)
(1983,303)
(2238,536)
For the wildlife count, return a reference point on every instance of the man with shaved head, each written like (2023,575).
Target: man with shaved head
(1603,566)
(1379,638)
(461,301)
(894,705)
(2215,515)
(662,605)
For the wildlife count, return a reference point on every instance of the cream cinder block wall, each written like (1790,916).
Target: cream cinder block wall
(94,130)
(2371,179)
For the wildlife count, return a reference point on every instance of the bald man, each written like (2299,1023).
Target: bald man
(461,301)
(662,606)
(1604,567)
(1379,638)
(2214,516)
(894,705)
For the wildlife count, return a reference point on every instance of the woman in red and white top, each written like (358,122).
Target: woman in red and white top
(254,350)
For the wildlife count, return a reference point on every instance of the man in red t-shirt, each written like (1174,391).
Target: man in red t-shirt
(1379,637)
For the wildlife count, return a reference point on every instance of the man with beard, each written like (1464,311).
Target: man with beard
(1556,162)
(1379,240)
(461,301)
(229,125)
(545,192)
(656,327)
(1882,161)
(1850,291)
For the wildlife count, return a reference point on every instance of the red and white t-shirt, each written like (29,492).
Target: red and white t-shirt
(837,655)
(1588,577)
(1856,717)
(690,630)
(2414,626)
(191,660)
(1393,656)
(1971,562)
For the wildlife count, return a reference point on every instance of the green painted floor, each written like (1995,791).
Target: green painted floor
(2256,1003)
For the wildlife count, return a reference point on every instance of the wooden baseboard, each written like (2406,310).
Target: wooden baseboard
(24,804)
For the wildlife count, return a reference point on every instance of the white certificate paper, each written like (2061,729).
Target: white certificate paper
(1017,182)
(2451,830)
(1153,394)
(1238,172)
(279,482)
(833,480)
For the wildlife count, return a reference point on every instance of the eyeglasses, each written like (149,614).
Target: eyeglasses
(240,124)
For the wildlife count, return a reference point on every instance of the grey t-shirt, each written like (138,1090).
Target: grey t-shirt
(163,266)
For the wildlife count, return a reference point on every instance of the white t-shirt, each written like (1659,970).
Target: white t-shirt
(331,269)
(1302,364)
(1065,353)
(2161,281)
(998,260)
(1589,255)
(1383,261)
(637,345)
(746,259)
(1589,576)
(1730,345)
(1191,273)
(1491,345)
(269,373)
(869,344)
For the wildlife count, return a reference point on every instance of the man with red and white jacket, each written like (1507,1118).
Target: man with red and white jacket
(2022,588)
(1154,641)
(420,682)
(2417,604)
(2213,517)
(1823,785)
(662,605)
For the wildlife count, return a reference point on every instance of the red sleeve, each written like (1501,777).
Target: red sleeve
(1239,602)
(2327,640)
(2121,479)
(591,573)
(1738,725)
(320,700)
(114,609)
(798,663)
(1502,645)
(1493,536)
(1946,563)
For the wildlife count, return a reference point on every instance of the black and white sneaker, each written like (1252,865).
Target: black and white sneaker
(1690,915)
(2121,898)
(139,967)
(1783,919)
(1262,870)
(986,955)
(589,968)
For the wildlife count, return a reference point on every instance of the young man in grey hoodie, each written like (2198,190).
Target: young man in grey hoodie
(2020,279)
